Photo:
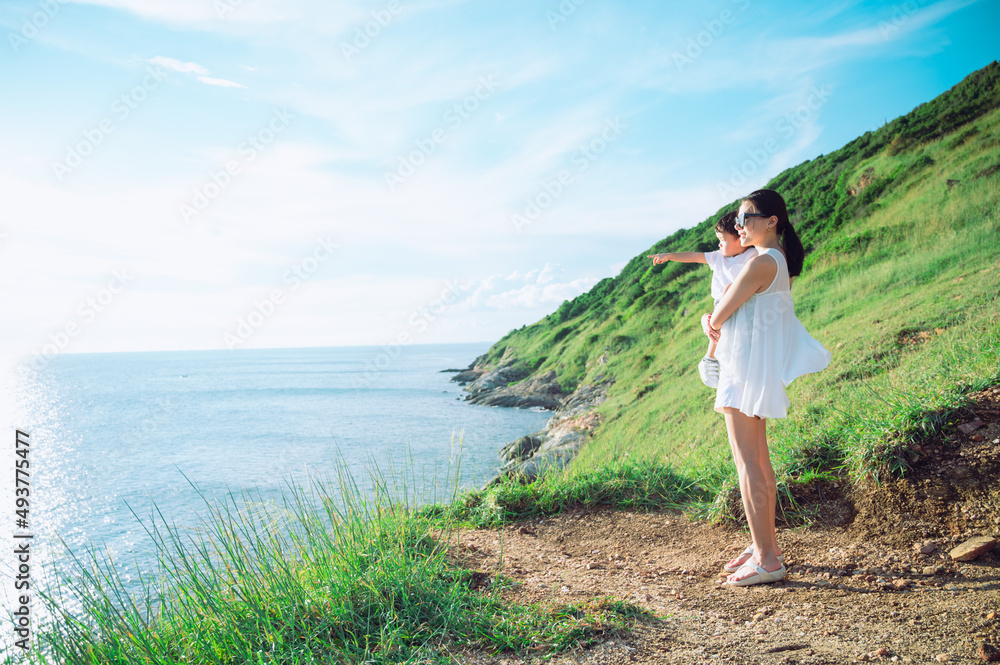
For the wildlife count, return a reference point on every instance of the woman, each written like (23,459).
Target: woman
(762,348)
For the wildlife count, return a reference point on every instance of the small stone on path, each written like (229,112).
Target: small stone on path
(969,428)
(973,548)
(988,653)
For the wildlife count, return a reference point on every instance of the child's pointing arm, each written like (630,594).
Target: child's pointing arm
(680,257)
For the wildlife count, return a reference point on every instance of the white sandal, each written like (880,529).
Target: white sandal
(762,576)
(748,550)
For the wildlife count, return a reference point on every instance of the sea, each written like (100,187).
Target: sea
(113,439)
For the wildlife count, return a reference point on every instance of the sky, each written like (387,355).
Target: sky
(233,174)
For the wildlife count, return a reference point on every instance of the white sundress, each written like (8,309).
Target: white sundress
(725,269)
(763,347)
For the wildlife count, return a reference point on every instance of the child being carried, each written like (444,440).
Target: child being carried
(725,263)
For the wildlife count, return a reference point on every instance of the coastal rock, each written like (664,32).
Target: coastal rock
(583,399)
(973,548)
(464,376)
(475,370)
(492,389)
(537,465)
(559,447)
(521,449)
(484,381)
(561,440)
(510,383)
(496,378)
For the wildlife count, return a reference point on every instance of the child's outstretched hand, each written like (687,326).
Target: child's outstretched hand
(659,258)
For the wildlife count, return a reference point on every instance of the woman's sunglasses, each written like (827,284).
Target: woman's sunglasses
(741,220)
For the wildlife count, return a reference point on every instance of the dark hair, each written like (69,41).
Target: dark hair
(770,203)
(727,224)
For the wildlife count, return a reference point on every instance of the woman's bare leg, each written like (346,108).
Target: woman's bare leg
(768,472)
(748,440)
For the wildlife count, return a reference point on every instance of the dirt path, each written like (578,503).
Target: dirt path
(863,590)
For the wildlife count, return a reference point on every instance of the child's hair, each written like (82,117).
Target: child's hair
(770,203)
(727,224)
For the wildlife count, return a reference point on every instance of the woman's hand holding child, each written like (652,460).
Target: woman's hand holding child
(706,327)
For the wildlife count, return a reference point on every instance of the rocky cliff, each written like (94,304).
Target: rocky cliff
(510,383)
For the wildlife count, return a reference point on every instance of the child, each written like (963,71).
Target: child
(726,263)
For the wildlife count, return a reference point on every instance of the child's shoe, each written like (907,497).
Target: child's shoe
(709,370)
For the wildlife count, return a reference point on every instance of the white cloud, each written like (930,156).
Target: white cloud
(547,273)
(222,83)
(538,288)
(176,65)
(536,295)
(199,71)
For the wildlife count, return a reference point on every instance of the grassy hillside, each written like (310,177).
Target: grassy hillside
(900,283)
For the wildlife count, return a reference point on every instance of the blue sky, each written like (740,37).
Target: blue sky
(261,173)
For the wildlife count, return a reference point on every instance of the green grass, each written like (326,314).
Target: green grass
(626,484)
(900,283)
(325,577)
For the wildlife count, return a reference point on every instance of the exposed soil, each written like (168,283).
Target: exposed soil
(953,487)
(859,588)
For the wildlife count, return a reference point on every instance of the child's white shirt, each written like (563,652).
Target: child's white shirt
(726,268)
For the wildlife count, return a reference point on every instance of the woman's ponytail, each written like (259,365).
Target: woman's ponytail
(770,203)
(794,252)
